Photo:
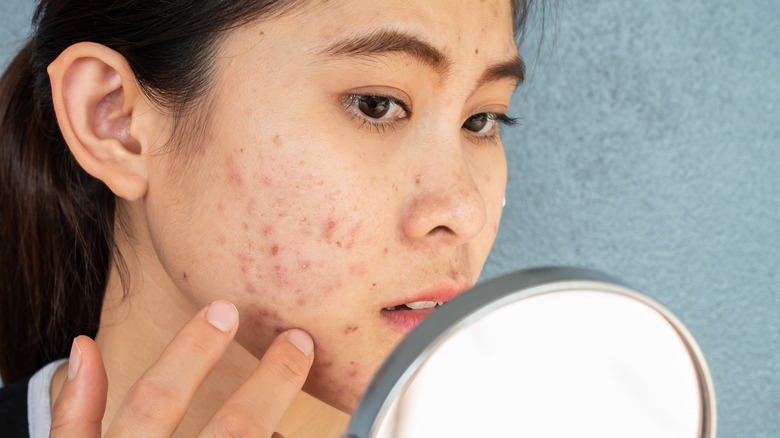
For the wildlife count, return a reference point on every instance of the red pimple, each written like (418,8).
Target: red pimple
(267,181)
(328,228)
(274,250)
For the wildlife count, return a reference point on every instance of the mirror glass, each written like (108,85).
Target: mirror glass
(544,353)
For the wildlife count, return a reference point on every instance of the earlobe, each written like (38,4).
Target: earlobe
(97,101)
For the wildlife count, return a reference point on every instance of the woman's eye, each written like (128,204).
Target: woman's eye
(485,124)
(376,112)
(375,107)
(383,108)
(479,123)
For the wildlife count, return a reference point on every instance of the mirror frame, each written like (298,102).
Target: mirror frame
(407,358)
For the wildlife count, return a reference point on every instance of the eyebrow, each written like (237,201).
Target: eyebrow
(385,42)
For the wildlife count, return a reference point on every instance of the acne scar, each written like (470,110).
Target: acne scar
(277,141)
(350,329)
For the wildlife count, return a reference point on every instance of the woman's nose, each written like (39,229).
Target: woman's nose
(445,204)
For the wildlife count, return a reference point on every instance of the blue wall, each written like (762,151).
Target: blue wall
(649,149)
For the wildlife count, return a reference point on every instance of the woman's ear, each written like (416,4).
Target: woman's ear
(103,116)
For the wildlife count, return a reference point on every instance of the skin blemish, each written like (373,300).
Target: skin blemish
(234,175)
(328,228)
(251,289)
(350,329)
(358,270)
(278,141)
(280,274)
(476,51)
(220,207)
(268,230)
(274,250)
(417,180)
(184,276)
(245,225)
(338,244)
(301,302)
(267,181)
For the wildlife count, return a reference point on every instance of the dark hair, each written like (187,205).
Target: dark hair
(57,223)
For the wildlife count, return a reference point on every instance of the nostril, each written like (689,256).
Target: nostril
(441,229)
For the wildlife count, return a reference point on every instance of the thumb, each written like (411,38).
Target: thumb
(79,408)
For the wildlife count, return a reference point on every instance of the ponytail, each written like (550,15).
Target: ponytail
(56,229)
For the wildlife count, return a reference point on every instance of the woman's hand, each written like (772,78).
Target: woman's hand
(157,402)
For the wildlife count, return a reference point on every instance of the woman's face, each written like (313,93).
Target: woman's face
(351,164)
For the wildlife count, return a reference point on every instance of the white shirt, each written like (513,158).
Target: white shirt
(39,401)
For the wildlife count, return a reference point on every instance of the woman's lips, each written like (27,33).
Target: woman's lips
(404,318)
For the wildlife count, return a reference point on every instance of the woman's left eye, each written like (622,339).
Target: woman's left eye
(485,123)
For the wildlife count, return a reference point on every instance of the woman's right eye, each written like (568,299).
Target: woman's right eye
(379,112)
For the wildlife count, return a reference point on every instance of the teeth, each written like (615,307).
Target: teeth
(423,305)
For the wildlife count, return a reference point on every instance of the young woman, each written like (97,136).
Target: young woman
(330,171)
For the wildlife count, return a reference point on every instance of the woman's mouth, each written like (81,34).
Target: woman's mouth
(417,305)
(405,317)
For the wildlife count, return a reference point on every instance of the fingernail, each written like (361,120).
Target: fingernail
(75,360)
(301,340)
(222,315)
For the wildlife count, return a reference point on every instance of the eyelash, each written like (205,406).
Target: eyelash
(352,101)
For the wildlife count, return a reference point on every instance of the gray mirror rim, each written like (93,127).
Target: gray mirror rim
(404,361)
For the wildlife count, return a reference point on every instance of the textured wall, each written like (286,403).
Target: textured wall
(649,149)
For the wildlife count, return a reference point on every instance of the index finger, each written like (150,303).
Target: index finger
(259,404)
